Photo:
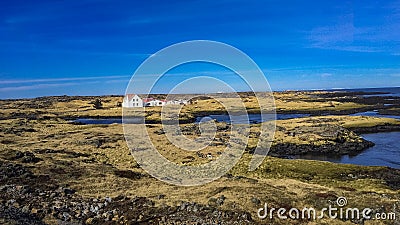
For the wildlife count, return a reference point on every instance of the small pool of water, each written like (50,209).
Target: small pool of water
(386,152)
(382,95)
(374,113)
(252,118)
(104,121)
(238,119)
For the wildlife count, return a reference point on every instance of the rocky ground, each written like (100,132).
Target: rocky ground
(53,171)
(30,204)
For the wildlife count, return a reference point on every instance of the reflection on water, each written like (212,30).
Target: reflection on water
(386,152)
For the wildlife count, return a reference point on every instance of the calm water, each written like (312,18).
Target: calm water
(257,118)
(108,120)
(383,95)
(252,118)
(391,91)
(386,152)
(240,119)
(374,113)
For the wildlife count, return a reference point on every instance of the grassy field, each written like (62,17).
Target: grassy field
(95,161)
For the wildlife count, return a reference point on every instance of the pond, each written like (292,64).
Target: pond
(375,113)
(253,118)
(104,121)
(386,152)
(236,119)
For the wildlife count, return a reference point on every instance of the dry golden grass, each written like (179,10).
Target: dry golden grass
(284,101)
(281,183)
(95,160)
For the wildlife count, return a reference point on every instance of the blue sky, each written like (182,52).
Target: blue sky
(90,47)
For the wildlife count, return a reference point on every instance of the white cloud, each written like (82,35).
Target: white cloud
(346,35)
(43,80)
(35,86)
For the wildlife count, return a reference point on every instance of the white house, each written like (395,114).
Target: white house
(132,100)
(172,102)
(177,102)
(153,102)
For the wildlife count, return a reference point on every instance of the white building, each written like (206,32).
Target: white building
(177,102)
(132,100)
(153,102)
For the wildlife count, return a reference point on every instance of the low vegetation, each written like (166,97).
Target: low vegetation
(42,149)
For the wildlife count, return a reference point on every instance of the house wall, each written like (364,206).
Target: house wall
(126,102)
(135,101)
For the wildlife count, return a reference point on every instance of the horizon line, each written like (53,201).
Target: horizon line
(121,95)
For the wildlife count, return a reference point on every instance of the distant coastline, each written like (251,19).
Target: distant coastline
(377,90)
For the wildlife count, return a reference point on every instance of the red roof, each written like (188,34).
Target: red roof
(129,96)
(148,99)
